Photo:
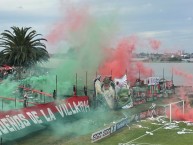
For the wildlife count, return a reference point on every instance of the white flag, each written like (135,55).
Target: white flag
(122,81)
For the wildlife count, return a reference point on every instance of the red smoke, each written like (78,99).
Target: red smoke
(72,20)
(144,71)
(120,61)
(155,44)
(116,61)
(177,113)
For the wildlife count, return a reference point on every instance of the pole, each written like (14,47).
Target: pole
(139,74)
(86,79)
(183,107)
(76,80)
(111,72)
(126,76)
(172,76)
(170,113)
(165,111)
(15,101)
(56,84)
(2,104)
(164,80)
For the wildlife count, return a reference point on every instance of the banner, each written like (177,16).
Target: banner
(16,120)
(152,81)
(123,122)
(101,134)
(120,124)
(153,89)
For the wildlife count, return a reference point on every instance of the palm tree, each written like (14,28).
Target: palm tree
(21,48)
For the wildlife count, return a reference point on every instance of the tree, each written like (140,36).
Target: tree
(22,48)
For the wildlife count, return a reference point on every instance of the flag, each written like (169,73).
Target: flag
(122,81)
(152,81)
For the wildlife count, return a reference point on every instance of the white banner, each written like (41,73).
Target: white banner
(152,80)
(121,123)
(100,134)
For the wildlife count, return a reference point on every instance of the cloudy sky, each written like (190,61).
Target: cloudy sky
(170,22)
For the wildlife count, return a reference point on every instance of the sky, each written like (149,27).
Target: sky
(171,22)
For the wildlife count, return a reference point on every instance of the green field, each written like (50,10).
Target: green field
(136,134)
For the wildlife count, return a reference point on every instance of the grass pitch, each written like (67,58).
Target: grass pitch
(145,132)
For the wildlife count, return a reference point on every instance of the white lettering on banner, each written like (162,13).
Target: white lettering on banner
(20,121)
(113,128)
(70,109)
(17,118)
(96,136)
(76,107)
(24,120)
(3,128)
(50,117)
(100,134)
(86,106)
(106,132)
(46,117)
(121,123)
(62,109)
(7,125)
(81,105)
(36,117)
(13,123)
(33,116)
